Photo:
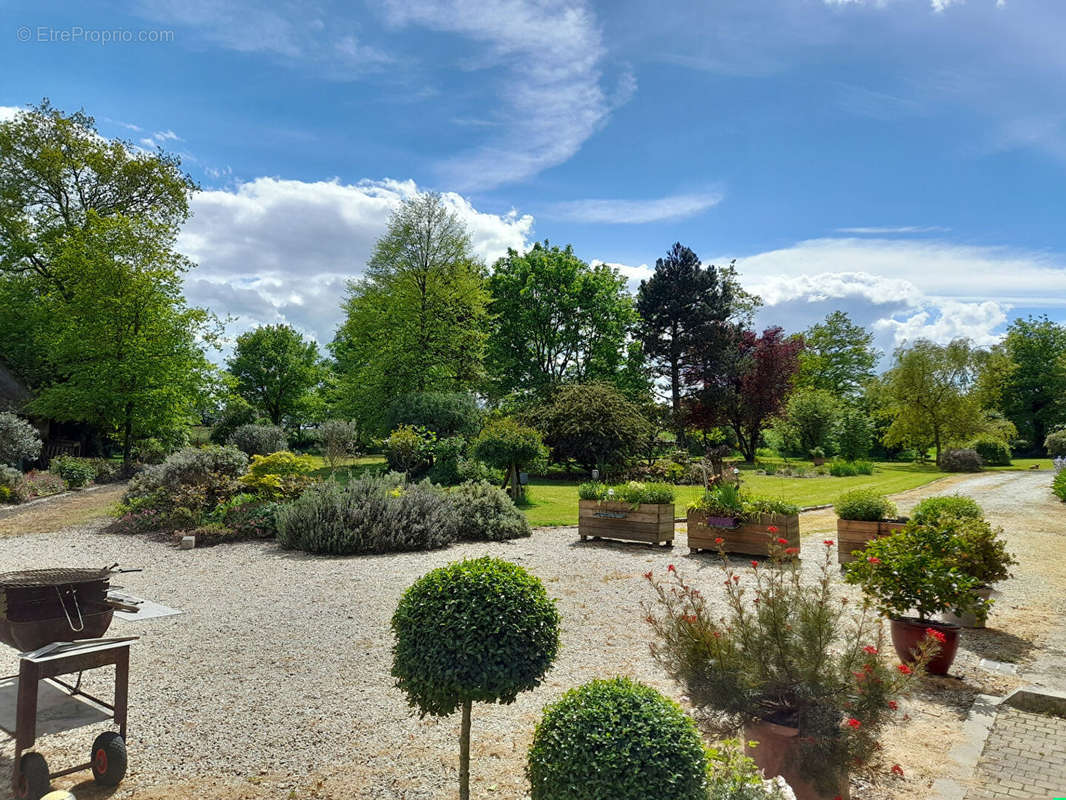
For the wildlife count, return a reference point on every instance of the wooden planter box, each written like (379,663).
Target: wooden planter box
(853,534)
(748,537)
(651,523)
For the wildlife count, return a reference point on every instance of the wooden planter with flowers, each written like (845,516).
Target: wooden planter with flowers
(751,536)
(633,512)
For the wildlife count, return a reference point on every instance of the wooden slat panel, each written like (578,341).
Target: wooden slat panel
(647,523)
(751,538)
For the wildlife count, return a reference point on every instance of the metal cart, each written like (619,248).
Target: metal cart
(31,778)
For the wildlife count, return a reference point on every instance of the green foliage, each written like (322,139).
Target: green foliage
(555,320)
(734,776)
(838,356)
(410,450)
(252,519)
(849,469)
(275,369)
(854,433)
(961,459)
(864,505)
(993,452)
(445,413)
(932,509)
(258,440)
(19,440)
(616,739)
(448,455)
(980,549)
(339,439)
(9,481)
(914,568)
(1058,485)
(810,420)
(785,649)
(729,500)
(480,630)
(592,424)
(189,484)
(1055,443)
(236,412)
(416,320)
(278,475)
(634,493)
(1032,384)
(76,472)
(36,484)
(756,506)
(373,514)
(483,512)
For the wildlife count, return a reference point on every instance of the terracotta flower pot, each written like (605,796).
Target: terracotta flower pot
(907,632)
(778,753)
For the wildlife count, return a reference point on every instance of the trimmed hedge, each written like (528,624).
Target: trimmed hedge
(993,452)
(485,512)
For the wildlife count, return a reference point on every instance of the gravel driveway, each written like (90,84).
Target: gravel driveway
(274,681)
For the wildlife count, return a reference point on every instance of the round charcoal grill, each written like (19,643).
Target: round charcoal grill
(40,606)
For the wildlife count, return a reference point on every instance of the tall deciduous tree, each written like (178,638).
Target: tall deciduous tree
(930,390)
(124,347)
(416,321)
(555,320)
(276,370)
(681,304)
(838,356)
(745,386)
(1033,390)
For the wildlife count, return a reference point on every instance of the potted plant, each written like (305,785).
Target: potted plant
(914,570)
(745,528)
(635,512)
(863,515)
(803,673)
(982,553)
(818,456)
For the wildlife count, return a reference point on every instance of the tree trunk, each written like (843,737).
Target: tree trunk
(464,754)
(936,445)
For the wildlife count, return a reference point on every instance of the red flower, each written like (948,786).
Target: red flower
(893,705)
(671,568)
(736,579)
(874,560)
(870,649)
(935,634)
(853,723)
(755,563)
(691,618)
(791,551)
(719,540)
(772,529)
(648,574)
(904,669)
(897,770)
(828,542)
(717,634)
(838,797)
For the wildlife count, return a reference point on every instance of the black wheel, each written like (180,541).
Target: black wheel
(34,779)
(109,759)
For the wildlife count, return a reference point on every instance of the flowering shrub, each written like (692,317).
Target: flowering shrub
(36,484)
(18,440)
(634,493)
(278,475)
(787,650)
(253,519)
(916,568)
(864,505)
(616,739)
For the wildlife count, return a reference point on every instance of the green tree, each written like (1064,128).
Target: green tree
(930,389)
(556,320)
(124,346)
(854,433)
(681,304)
(275,369)
(838,356)
(1034,386)
(507,445)
(810,420)
(416,321)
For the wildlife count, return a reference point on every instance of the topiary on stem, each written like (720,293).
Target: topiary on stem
(477,630)
(616,739)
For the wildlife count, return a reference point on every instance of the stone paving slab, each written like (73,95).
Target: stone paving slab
(1024,758)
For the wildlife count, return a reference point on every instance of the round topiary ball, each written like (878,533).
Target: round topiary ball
(479,630)
(616,739)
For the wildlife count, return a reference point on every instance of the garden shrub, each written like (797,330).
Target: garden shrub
(339,439)
(36,483)
(993,452)
(235,413)
(480,630)
(77,472)
(842,469)
(150,451)
(19,440)
(447,454)
(254,519)
(961,459)
(188,466)
(445,413)
(854,434)
(864,505)
(1058,485)
(470,469)
(278,475)
(105,470)
(484,512)
(980,550)
(616,739)
(410,450)
(372,514)
(258,440)
(634,493)
(1056,444)
(9,481)
(732,775)
(932,509)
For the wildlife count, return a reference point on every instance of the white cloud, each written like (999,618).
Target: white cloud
(632,274)
(8,112)
(159,138)
(874,231)
(950,320)
(549,96)
(633,212)
(273,250)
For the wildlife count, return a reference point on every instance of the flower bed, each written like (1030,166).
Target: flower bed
(633,512)
(728,519)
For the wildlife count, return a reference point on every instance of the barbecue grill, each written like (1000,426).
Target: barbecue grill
(40,606)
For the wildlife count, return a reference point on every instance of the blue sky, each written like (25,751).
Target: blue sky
(901,159)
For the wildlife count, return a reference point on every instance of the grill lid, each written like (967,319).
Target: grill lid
(53,577)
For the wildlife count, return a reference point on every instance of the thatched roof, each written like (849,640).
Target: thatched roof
(13,395)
